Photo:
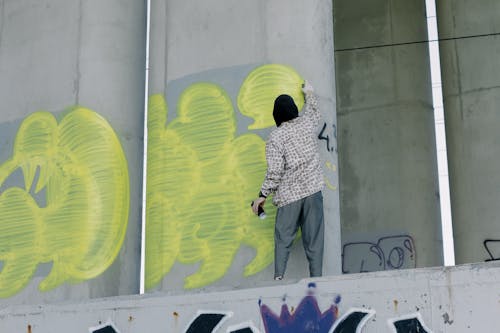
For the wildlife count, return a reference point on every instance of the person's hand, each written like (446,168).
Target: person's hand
(256,203)
(307,87)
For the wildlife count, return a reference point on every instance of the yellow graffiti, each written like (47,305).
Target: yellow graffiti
(329,185)
(201,179)
(260,89)
(332,167)
(79,168)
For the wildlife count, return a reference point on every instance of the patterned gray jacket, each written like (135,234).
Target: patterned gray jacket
(293,163)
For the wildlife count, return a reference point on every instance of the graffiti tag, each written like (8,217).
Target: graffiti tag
(307,317)
(488,246)
(108,327)
(392,252)
(330,144)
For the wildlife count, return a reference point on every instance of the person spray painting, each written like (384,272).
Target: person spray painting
(295,178)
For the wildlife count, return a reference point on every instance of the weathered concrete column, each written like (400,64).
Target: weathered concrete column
(215,69)
(388,171)
(470,65)
(72,73)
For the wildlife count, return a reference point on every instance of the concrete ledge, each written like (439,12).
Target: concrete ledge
(441,299)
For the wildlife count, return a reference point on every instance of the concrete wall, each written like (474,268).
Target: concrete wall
(458,299)
(215,69)
(389,193)
(470,65)
(70,177)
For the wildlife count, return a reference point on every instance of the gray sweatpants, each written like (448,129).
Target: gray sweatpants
(306,214)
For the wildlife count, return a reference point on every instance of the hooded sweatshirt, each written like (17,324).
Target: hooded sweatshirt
(285,109)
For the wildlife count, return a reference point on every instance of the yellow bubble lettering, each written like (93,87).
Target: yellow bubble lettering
(201,180)
(80,229)
(261,87)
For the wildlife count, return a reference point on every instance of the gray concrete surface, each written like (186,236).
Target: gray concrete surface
(55,55)
(470,69)
(221,42)
(449,300)
(387,157)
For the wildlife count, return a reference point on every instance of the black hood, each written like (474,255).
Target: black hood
(284,109)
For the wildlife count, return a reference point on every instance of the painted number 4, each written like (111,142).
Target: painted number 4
(323,135)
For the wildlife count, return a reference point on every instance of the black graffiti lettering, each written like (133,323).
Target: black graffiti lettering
(105,329)
(361,257)
(376,250)
(411,325)
(330,146)
(396,258)
(392,252)
(350,323)
(408,245)
(205,323)
(355,319)
(488,246)
(362,267)
(326,138)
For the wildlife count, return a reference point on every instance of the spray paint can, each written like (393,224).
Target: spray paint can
(261,213)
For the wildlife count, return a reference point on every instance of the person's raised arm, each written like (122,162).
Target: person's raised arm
(311,109)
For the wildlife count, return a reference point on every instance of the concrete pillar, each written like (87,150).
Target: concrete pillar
(389,194)
(222,52)
(77,235)
(470,65)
